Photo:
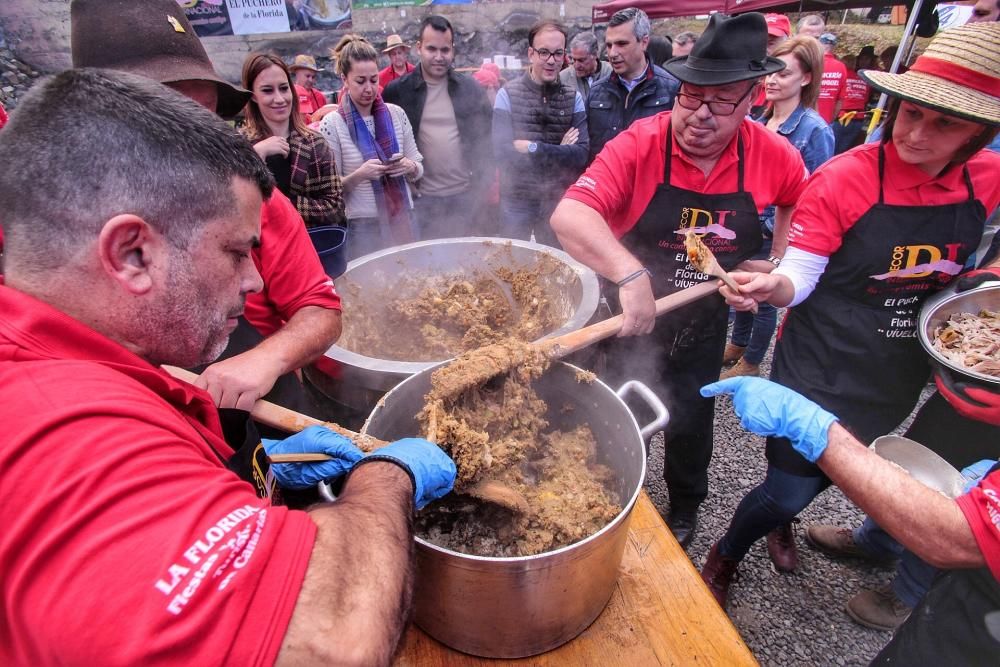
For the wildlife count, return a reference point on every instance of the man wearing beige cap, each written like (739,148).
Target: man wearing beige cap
(398,52)
(304,69)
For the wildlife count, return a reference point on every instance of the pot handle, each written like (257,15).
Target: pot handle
(662,416)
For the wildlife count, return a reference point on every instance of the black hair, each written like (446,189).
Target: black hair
(437,22)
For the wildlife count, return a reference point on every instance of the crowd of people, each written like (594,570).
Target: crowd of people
(148,231)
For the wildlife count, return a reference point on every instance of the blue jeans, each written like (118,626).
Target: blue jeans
(774,502)
(519,217)
(913,576)
(453,216)
(754,332)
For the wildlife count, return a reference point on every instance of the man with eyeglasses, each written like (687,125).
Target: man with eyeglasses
(586,68)
(539,138)
(627,215)
(637,89)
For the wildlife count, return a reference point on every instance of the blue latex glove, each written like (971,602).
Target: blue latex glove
(313,440)
(432,471)
(974,473)
(766,408)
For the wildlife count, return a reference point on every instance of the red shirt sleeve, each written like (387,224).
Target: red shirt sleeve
(775,172)
(288,263)
(131,543)
(981,508)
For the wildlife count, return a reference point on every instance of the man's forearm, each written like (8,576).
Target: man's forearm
(355,599)
(924,521)
(782,223)
(304,338)
(585,235)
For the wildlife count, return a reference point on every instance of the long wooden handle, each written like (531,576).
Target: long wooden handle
(568,343)
(276,416)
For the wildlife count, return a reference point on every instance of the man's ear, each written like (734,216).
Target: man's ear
(129,250)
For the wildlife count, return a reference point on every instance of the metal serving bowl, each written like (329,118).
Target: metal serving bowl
(938,308)
(573,289)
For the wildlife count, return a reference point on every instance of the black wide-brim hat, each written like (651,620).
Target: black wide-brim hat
(150,38)
(732,48)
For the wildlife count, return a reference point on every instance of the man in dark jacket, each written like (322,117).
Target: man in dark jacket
(637,89)
(540,138)
(451,120)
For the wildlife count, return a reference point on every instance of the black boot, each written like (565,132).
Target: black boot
(683,522)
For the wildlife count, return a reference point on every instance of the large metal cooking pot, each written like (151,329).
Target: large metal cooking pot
(574,290)
(516,607)
(939,307)
(923,464)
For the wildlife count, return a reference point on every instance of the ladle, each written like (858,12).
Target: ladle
(276,416)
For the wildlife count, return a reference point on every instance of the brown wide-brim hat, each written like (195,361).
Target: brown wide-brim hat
(732,49)
(151,38)
(958,74)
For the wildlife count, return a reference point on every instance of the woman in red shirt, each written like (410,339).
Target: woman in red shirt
(877,230)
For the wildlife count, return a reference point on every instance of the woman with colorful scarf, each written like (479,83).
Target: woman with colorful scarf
(374,149)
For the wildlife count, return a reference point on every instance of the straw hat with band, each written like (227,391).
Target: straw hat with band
(303,61)
(958,74)
(732,49)
(152,38)
(394,42)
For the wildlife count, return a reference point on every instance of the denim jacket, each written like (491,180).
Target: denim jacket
(812,138)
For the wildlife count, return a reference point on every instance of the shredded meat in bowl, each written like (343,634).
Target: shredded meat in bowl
(971,341)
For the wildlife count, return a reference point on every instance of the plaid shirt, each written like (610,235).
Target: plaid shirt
(316,189)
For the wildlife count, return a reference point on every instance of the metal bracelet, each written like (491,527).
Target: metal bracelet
(632,276)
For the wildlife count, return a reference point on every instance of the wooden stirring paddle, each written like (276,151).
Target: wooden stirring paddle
(276,416)
(704,260)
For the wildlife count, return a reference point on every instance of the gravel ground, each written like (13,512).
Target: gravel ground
(785,619)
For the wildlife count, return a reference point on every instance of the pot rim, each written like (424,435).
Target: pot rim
(574,546)
(588,301)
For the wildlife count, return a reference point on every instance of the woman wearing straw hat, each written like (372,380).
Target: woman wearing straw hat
(299,158)
(375,151)
(877,229)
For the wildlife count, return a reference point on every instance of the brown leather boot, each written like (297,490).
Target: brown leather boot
(741,367)
(878,608)
(781,548)
(732,354)
(718,573)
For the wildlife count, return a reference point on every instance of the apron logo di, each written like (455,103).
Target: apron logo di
(691,217)
(920,261)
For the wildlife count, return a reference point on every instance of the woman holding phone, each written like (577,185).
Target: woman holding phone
(298,157)
(374,148)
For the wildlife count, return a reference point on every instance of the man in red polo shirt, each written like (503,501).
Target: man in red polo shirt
(128,539)
(834,85)
(398,52)
(298,309)
(850,125)
(304,70)
(706,168)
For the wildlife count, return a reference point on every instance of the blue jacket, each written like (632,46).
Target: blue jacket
(813,139)
(611,108)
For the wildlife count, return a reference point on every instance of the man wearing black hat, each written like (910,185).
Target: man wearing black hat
(298,310)
(626,218)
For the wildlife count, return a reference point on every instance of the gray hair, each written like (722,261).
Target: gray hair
(86,145)
(585,40)
(641,27)
(810,19)
(685,37)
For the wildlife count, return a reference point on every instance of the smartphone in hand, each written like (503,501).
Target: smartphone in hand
(393,160)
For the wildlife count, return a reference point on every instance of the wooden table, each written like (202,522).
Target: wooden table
(661,613)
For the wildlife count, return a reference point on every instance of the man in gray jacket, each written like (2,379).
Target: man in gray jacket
(586,66)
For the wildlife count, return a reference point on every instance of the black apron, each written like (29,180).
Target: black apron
(249,461)
(852,345)
(684,352)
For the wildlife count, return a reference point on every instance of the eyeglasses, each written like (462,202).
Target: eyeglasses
(545,54)
(718,108)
